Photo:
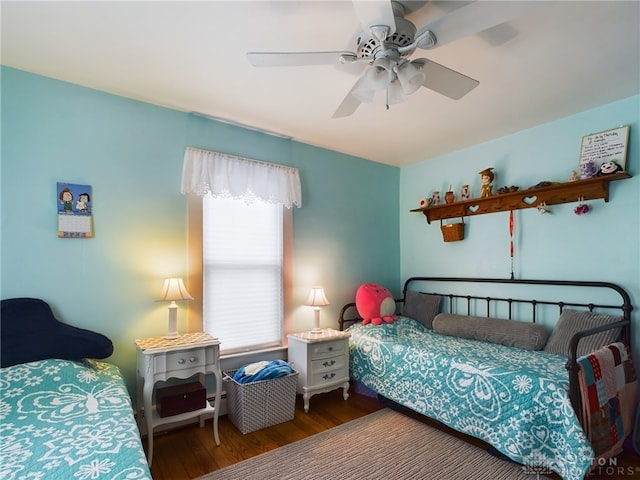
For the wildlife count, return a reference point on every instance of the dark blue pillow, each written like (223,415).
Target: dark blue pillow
(29,331)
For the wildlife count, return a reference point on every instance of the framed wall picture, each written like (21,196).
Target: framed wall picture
(602,147)
(74,207)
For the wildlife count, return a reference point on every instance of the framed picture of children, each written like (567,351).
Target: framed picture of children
(74,208)
(604,153)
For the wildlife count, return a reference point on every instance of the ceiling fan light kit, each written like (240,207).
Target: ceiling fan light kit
(409,76)
(389,39)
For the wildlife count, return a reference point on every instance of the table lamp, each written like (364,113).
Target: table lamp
(316,299)
(172,290)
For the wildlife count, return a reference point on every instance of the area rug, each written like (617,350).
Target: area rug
(383,445)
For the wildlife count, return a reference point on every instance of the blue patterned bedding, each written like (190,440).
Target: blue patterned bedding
(516,400)
(68,420)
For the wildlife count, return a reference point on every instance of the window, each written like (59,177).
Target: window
(240,247)
(243,301)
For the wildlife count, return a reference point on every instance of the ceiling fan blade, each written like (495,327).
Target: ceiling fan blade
(294,59)
(350,103)
(445,81)
(374,13)
(475,17)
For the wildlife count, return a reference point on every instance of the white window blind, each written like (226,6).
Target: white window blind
(243,273)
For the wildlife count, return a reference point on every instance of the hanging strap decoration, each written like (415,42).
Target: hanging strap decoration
(511,246)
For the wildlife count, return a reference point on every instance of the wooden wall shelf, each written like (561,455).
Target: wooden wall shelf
(589,189)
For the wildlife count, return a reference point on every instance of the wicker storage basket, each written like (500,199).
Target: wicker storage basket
(453,231)
(255,405)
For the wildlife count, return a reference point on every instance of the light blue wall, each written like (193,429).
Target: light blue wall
(602,245)
(354,226)
(131,154)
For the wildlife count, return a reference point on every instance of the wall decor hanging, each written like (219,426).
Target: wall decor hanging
(582,208)
(608,147)
(75,218)
(452,232)
(512,249)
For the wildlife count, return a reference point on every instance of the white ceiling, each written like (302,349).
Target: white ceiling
(558,59)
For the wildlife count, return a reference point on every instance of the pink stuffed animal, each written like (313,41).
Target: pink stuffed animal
(375,304)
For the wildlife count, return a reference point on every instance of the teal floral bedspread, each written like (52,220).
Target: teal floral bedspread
(68,420)
(516,400)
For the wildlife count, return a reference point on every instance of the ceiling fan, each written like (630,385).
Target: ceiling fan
(386,43)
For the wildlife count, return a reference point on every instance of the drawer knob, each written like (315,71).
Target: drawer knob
(331,349)
(181,361)
(192,359)
(328,376)
(329,364)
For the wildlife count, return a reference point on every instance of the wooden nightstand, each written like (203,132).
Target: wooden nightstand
(159,359)
(322,361)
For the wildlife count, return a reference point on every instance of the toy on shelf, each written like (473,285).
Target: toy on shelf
(609,168)
(487,176)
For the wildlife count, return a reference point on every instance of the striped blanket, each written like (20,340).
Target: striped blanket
(608,387)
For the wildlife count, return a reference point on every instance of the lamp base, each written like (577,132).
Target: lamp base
(316,330)
(172,334)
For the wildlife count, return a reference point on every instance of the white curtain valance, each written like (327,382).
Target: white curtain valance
(224,175)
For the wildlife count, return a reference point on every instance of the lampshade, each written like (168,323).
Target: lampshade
(395,93)
(363,92)
(400,78)
(409,76)
(376,78)
(317,298)
(174,289)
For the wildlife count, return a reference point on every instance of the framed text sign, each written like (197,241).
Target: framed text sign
(602,147)
(74,210)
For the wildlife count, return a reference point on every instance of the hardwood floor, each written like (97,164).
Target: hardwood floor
(190,452)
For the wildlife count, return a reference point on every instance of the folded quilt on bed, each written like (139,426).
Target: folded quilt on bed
(608,386)
(262,371)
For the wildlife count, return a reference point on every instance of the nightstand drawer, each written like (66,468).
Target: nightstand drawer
(182,360)
(320,350)
(330,363)
(319,379)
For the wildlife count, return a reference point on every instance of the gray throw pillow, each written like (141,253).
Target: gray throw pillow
(528,336)
(572,322)
(422,307)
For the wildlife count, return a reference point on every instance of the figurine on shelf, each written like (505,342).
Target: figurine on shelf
(588,169)
(609,168)
(435,197)
(487,176)
(465,193)
(450,197)
(573,176)
(425,202)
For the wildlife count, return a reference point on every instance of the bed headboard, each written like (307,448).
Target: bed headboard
(527,300)
(29,331)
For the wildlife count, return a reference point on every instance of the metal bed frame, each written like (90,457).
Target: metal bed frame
(455,303)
